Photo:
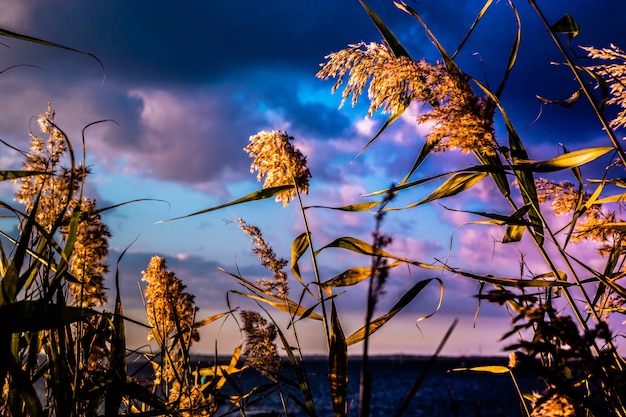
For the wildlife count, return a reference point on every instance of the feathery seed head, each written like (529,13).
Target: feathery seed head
(268,258)
(261,351)
(168,307)
(461,120)
(276,159)
(88,261)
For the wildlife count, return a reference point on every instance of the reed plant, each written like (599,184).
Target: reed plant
(62,354)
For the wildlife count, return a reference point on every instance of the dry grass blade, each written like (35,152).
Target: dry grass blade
(405,300)
(338,366)
(353,276)
(359,246)
(253,196)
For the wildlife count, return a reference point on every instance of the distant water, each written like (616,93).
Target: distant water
(441,393)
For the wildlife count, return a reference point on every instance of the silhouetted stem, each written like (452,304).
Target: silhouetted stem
(315,269)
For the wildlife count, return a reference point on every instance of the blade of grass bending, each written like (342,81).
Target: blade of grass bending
(497,171)
(33,315)
(9,286)
(23,386)
(113,395)
(253,196)
(515,282)
(298,247)
(452,186)
(338,366)
(424,152)
(300,371)
(377,323)
(391,40)
(14,35)
(364,248)
(12,175)
(514,51)
(490,369)
(568,26)
(473,26)
(444,54)
(418,382)
(390,120)
(567,160)
(471,169)
(281,304)
(365,206)
(524,177)
(353,276)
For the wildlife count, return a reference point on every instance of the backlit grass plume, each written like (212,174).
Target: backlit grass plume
(460,119)
(279,162)
(261,351)
(278,284)
(56,192)
(168,307)
(88,261)
(615,74)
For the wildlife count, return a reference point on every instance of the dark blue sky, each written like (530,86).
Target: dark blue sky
(187,84)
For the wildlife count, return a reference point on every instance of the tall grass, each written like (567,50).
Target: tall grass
(61,354)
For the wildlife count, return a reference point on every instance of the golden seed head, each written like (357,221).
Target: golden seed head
(276,159)
(277,285)
(460,119)
(168,307)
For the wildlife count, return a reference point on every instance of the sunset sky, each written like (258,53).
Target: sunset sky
(187,84)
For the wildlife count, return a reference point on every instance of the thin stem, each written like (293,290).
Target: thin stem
(315,268)
(519,393)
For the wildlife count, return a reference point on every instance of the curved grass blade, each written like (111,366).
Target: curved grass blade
(11,281)
(384,127)
(452,186)
(444,54)
(14,35)
(34,315)
(364,248)
(338,366)
(427,148)
(286,305)
(497,171)
(377,323)
(253,196)
(524,177)
(514,51)
(209,320)
(353,276)
(568,26)
(567,103)
(519,283)
(365,206)
(301,375)
(472,27)
(22,383)
(298,247)
(490,369)
(568,160)
(391,40)
(12,175)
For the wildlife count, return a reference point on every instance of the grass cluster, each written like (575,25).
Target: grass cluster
(61,355)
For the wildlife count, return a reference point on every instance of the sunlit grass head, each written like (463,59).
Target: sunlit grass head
(279,162)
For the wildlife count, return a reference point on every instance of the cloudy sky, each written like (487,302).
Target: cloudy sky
(186,86)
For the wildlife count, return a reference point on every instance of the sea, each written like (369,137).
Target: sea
(444,391)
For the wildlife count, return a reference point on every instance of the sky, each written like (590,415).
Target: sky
(185,86)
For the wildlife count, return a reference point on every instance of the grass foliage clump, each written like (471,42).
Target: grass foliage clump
(63,354)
